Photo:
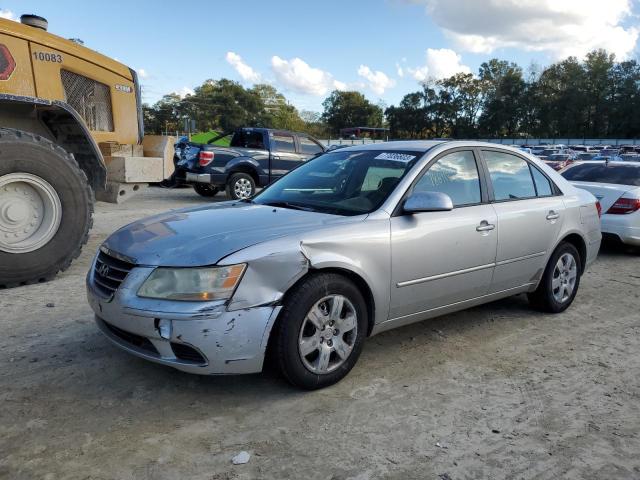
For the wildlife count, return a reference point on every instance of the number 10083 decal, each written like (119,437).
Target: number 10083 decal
(47,57)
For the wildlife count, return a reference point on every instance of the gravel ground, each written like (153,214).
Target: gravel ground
(498,391)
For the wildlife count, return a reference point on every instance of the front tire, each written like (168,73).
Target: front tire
(241,186)
(560,280)
(205,190)
(46,205)
(321,331)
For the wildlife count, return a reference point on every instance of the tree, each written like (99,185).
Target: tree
(350,109)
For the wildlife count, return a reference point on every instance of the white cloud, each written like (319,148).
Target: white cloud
(247,73)
(399,70)
(142,73)
(299,76)
(8,14)
(440,63)
(186,91)
(378,81)
(560,27)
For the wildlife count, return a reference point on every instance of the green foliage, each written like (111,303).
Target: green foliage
(350,109)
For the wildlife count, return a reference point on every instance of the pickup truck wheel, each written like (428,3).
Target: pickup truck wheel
(241,186)
(321,331)
(205,190)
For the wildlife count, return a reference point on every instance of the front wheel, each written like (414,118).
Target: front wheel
(560,280)
(241,186)
(205,190)
(321,331)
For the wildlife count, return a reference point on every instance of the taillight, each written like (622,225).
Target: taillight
(599,208)
(624,205)
(205,158)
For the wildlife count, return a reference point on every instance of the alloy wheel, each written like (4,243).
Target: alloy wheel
(328,334)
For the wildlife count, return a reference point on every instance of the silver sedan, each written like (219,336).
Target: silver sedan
(350,244)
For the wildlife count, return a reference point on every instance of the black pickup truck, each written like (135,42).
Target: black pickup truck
(254,158)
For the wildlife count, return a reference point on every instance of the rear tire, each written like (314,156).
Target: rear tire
(324,317)
(39,180)
(205,190)
(560,280)
(241,186)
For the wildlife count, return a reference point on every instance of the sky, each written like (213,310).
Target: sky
(306,49)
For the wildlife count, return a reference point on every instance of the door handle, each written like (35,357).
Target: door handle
(553,215)
(485,226)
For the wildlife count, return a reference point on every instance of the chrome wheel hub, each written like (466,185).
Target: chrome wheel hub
(30,212)
(564,278)
(242,188)
(328,334)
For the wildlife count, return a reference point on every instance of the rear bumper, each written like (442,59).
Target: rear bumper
(208,178)
(625,227)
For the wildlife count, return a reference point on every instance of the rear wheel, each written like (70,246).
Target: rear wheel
(46,205)
(241,186)
(205,190)
(321,331)
(560,280)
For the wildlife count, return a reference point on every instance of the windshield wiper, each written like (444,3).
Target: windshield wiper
(293,206)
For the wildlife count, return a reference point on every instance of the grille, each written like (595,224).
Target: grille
(133,339)
(109,273)
(91,99)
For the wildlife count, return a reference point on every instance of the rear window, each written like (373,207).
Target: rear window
(600,173)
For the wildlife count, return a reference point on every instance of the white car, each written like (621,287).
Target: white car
(616,185)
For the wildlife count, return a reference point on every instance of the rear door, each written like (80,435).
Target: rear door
(284,156)
(530,213)
(308,147)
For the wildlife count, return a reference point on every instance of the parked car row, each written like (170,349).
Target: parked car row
(561,156)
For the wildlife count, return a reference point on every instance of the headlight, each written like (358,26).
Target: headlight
(192,284)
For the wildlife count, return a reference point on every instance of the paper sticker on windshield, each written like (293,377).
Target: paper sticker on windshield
(398,157)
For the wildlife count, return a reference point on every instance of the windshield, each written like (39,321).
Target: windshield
(601,173)
(586,156)
(342,182)
(549,152)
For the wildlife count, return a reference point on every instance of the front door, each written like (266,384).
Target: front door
(441,258)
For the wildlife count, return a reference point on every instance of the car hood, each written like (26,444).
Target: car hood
(204,235)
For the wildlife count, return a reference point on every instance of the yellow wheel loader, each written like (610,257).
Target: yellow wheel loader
(70,129)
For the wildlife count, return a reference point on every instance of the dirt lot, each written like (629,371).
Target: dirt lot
(494,392)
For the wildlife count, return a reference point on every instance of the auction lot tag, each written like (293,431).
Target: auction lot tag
(398,157)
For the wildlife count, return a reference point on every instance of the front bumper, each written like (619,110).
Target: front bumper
(204,337)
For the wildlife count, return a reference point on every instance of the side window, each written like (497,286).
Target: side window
(308,146)
(455,174)
(510,176)
(283,143)
(543,185)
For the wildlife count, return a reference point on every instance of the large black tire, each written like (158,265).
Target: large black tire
(22,152)
(237,179)
(297,305)
(543,297)
(205,190)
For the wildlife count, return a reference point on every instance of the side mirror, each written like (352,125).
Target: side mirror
(427,202)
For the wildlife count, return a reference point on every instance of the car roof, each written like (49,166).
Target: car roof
(426,145)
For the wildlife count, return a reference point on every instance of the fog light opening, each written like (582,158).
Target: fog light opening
(163,326)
